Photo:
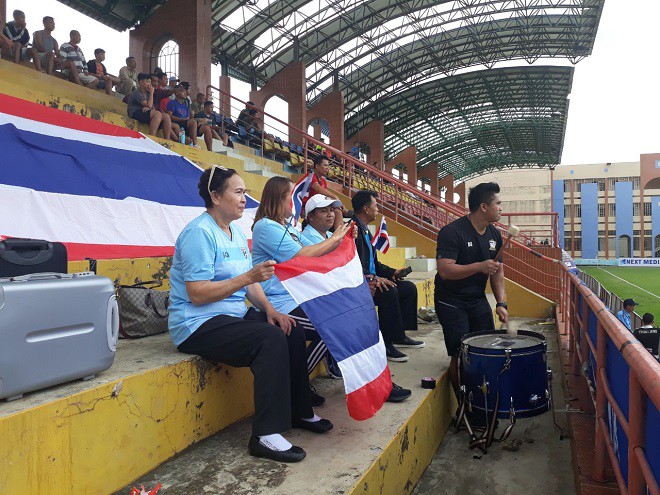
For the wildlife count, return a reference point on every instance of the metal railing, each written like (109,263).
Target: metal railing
(613,302)
(622,385)
(407,204)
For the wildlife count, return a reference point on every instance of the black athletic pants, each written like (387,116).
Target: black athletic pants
(397,311)
(277,361)
(316,350)
(458,322)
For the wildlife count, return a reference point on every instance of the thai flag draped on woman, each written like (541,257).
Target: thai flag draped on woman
(381,240)
(334,294)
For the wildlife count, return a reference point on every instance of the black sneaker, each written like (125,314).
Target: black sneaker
(408,342)
(394,354)
(398,394)
(317,400)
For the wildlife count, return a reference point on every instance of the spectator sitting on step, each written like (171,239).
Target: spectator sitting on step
(274,239)
(45,50)
(319,184)
(18,36)
(244,118)
(180,113)
(627,311)
(128,77)
(395,298)
(75,66)
(97,68)
(141,108)
(208,117)
(162,91)
(197,106)
(212,274)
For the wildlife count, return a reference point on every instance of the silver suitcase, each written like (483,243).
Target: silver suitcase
(54,328)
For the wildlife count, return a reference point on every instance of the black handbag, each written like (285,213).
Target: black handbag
(142,309)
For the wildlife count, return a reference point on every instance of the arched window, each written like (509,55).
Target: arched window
(624,246)
(167,58)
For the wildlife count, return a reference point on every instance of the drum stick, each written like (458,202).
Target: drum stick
(512,232)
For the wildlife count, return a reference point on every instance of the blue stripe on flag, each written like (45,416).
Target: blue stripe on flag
(74,167)
(346,320)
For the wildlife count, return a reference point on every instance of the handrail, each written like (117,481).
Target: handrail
(643,386)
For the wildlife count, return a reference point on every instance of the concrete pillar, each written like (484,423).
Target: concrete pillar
(317,131)
(448,182)
(409,158)
(188,22)
(288,84)
(3,10)
(373,135)
(225,101)
(331,109)
(430,172)
(460,190)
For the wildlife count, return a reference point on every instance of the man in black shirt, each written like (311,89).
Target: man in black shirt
(465,255)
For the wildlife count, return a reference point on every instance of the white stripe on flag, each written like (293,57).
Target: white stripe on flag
(94,220)
(364,367)
(141,145)
(310,285)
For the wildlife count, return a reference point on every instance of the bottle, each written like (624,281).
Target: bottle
(182,137)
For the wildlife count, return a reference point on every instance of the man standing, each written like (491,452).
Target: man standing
(128,77)
(626,312)
(45,50)
(465,255)
(75,64)
(18,36)
(395,298)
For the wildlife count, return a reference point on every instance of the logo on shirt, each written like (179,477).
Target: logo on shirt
(492,245)
(225,254)
(469,244)
(245,253)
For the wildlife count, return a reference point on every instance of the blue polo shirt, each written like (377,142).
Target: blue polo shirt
(313,235)
(181,110)
(267,235)
(624,317)
(204,252)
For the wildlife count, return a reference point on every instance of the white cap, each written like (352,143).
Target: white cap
(320,201)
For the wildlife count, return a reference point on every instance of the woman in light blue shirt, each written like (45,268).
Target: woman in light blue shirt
(274,239)
(211,275)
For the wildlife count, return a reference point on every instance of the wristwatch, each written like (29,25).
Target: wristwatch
(502,305)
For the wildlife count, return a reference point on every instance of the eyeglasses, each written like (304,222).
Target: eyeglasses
(208,186)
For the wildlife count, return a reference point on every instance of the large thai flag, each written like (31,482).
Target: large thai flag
(333,293)
(300,191)
(104,191)
(381,240)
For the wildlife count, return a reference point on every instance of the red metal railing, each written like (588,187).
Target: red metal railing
(417,209)
(596,342)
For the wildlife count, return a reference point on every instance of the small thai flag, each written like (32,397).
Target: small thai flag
(381,240)
(300,190)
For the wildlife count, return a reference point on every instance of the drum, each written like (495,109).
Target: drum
(515,367)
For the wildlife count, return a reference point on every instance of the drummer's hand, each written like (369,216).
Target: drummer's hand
(489,267)
(502,314)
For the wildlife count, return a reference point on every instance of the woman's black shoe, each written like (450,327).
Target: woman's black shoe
(320,426)
(257,449)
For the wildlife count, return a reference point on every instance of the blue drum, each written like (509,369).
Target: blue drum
(516,367)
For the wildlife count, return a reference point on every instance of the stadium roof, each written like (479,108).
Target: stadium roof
(386,54)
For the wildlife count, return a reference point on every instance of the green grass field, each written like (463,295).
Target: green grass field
(646,278)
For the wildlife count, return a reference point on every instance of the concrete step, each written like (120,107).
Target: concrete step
(422,264)
(385,454)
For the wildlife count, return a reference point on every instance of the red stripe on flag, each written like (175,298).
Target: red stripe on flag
(41,113)
(366,401)
(79,252)
(324,264)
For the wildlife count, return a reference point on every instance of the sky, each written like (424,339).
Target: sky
(614,104)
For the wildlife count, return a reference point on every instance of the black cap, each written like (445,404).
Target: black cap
(630,302)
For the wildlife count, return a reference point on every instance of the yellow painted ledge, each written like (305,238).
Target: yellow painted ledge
(98,440)
(402,463)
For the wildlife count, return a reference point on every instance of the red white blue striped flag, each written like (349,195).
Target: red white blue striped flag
(300,190)
(381,240)
(333,293)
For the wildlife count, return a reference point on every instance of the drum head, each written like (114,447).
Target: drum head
(501,341)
